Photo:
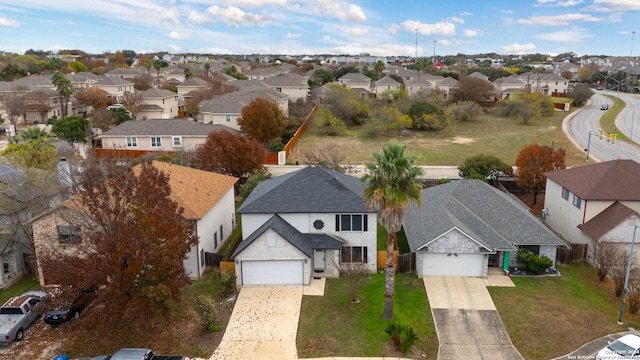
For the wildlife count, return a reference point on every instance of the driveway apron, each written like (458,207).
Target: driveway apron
(466,320)
(263,325)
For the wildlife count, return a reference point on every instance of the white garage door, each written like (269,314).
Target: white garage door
(461,265)
(268,272)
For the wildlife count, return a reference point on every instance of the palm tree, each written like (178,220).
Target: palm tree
(34,133)
(392,182)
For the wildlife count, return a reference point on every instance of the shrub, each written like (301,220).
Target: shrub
(536,264)
(403,336)
(253,181)
(287,135)
(329,124)
(207,311)
(275,147)
(634,303)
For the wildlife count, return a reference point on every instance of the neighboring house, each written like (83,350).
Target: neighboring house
(42,105)
(421,84)
(465,226)
(355,81)
(509,86)
(125,73)
(192,84)
(310,222)
(20,200)
(158,103)
(207,199)
(384,86)
(159,135)
(294,86)
(446,85)
(597,202)
(115,86)
(227,108)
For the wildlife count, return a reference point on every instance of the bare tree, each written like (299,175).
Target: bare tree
(14,104)
(40,101)
(618,269)
(132,102)
(355,272)
(605,255)
(327,157)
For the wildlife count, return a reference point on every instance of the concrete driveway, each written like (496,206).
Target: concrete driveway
(466,320)
(263,325)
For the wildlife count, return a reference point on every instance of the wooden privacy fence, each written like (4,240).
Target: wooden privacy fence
(405,263)
(577,252)
(272,157)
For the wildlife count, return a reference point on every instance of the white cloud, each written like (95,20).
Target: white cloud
(617,5)
(254,3)
(355,32)
(235,17)
(176,35)
(470,33)
(558,20)
(165,16)
(466,13)
(197,18)
(353,13)
(293,36)
(4,22)
(393,29)
(455,19)
(507,11)
(559,3)
(174,49)
(567,37)
(213,50)
(442,28)
(519,49)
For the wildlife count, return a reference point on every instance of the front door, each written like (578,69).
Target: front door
(318,260)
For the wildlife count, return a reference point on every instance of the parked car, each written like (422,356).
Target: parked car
(136,354)
(17,313)
(70,310)
(626,347)
(604,107)
(598,87)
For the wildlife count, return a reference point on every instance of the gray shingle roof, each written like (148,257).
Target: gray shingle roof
(169,127)
(607,220)
(154,93)
(112,81)
(495,219)
(308,190)
(303,242)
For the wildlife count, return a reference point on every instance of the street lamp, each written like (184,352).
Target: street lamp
(626,279)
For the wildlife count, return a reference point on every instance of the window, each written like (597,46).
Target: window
(202,258)
(577,202)
(351,222)
(132,141)
(177,141)
(69,234)
(221,233)
(227,118)
(565,193)
(279,89)
(271,240)
(354,254)
(318,224)
(215,240)
(535,249)
(156,142)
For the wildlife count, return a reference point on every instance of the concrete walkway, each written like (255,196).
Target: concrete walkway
(466,319)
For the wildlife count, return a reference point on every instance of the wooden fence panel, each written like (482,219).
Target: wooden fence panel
(382,259)
(577,252)
(272,157)
(407,263)
(228,267)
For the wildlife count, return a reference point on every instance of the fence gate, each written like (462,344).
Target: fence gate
(577,252)
(213,259)
(407,263)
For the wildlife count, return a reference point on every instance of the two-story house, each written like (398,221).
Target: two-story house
(157,104)
(294,86)
(308,223)
(115,87)
(597,202)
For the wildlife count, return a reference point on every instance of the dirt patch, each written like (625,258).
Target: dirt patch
(462,140)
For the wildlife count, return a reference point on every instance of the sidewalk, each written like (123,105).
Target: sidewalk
(590,349)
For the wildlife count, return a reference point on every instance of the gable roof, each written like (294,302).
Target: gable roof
(308,190)
(610,180)
(194,81)
(197,191)
(154,93)
(607,220)
(303,242)
(111,81)
(498,220)
(387,80)
(168,127)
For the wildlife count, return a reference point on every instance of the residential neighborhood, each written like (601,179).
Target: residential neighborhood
(263,194)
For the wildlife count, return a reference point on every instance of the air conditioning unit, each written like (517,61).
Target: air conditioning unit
(545,213)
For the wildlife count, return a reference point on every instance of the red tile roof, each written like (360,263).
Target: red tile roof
(611,180)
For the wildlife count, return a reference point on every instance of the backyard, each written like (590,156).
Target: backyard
(489,134)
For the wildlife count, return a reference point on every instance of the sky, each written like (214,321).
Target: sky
(422,28)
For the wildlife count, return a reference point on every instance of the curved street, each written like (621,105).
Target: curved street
(583,129)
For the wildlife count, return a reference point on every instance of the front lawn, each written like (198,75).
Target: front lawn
(331,325)
(547,317)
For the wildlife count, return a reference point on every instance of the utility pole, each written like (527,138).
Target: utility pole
(416,58)
(434,51)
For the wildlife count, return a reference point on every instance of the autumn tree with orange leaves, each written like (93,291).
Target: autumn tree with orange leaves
(93,96)
(230,154)
(129,237)
(533,161)
(262,120)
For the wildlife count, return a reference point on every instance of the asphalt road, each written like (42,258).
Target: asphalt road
(584,130)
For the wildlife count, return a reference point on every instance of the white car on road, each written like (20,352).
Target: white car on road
(626,347)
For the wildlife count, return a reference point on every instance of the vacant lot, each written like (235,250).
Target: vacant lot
(547,317)
(491,135)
